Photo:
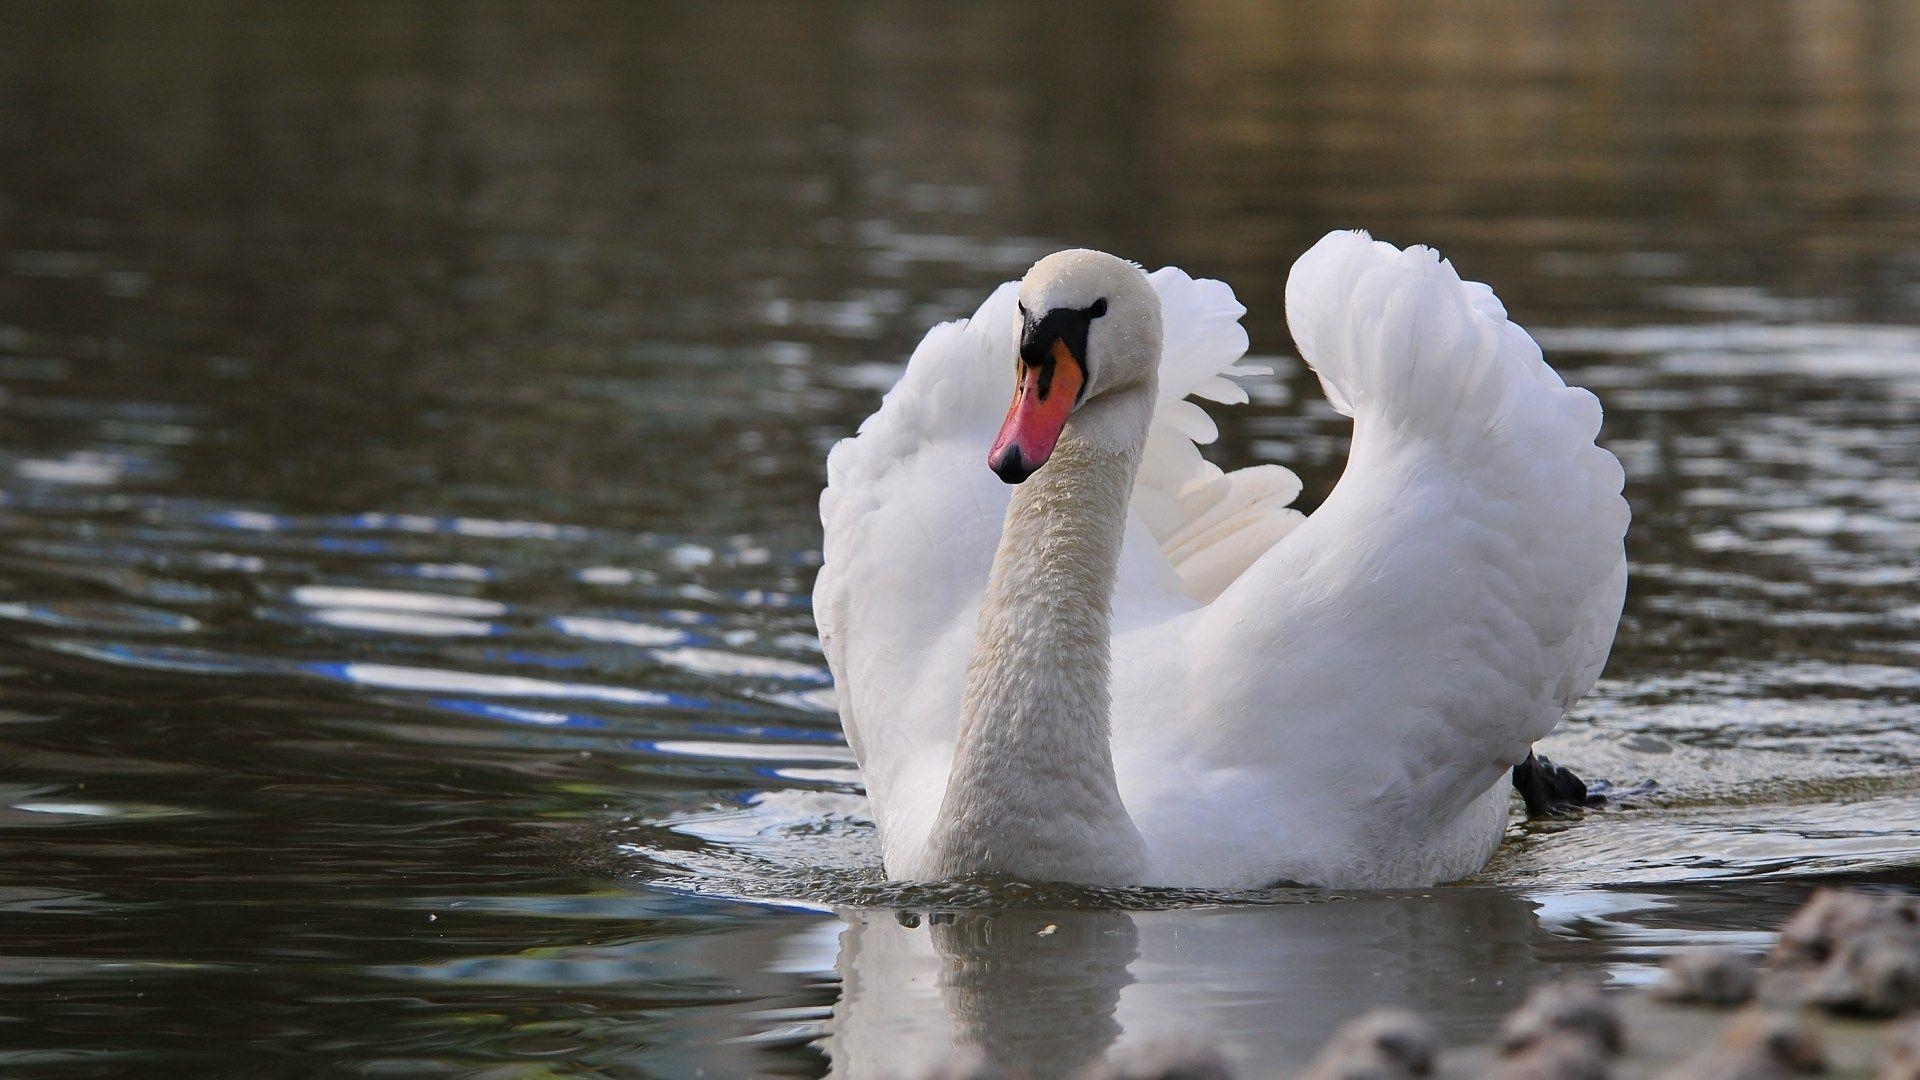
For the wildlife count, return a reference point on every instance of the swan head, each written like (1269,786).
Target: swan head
(1088,329)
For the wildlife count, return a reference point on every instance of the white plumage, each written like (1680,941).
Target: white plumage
(1333,699)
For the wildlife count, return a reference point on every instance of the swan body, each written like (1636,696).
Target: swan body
(1134,668)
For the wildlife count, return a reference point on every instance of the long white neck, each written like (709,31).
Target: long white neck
(1032,791)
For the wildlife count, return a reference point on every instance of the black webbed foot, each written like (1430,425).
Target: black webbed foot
(1552,791)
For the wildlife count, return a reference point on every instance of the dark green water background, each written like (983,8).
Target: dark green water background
(411,417)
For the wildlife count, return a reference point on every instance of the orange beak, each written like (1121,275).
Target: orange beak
(1043,395)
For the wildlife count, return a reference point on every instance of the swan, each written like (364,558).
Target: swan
(1100,659)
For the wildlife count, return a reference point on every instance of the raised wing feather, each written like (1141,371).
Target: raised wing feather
(1210,524)
(1458,590)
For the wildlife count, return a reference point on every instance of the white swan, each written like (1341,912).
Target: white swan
(1133,668)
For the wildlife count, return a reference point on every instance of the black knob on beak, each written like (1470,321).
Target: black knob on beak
(1011,466)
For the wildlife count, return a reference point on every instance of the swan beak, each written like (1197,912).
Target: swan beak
(1043,395)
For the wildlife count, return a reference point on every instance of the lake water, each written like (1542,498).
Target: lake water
(411,419)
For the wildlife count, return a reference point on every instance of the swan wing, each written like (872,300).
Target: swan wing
(1210,525)
(1374,674)
(911,517)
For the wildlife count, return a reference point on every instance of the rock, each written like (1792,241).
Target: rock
(1386,1044)
(1901,1050)
(1758,1044)
(1164,1057)
(1833,916)
(1559,1055)
(1875,973)
(1716,975)
(1572,1008)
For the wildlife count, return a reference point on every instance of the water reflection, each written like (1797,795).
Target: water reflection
(1033,993)
(1050,991)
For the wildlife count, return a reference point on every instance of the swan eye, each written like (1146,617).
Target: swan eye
(1098,309)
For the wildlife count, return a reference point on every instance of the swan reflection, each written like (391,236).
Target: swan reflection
(1045,993)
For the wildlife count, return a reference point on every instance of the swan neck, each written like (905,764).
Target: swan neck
(1032,793)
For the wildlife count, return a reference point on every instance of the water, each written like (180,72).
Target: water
(410,425)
